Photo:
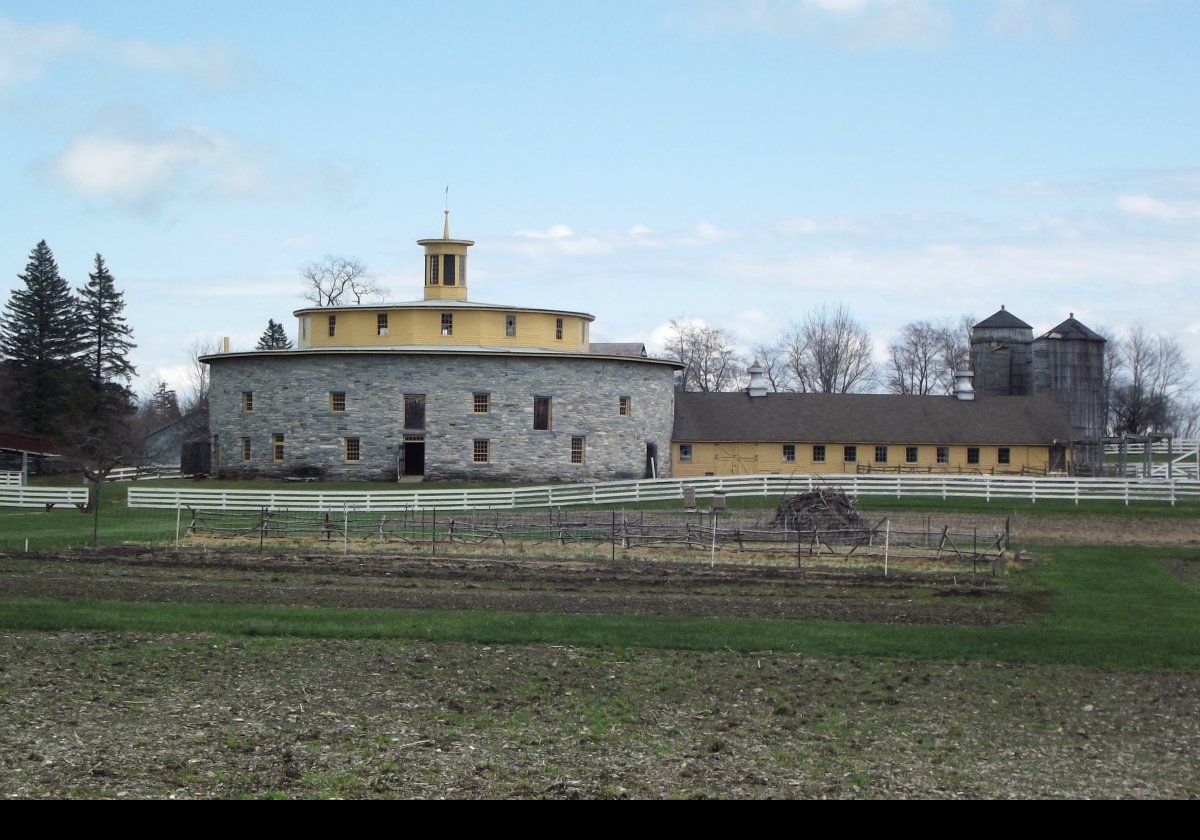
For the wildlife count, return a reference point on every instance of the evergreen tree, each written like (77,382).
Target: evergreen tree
(164,404)
(274,338)
(106,336)
(40,336)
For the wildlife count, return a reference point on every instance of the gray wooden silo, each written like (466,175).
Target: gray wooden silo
(1068,364)
(1001,355)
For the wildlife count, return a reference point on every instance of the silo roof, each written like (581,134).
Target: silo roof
(1003,318)
(1073,330)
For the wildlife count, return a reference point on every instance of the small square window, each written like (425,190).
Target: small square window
(943,454)
(245,449)
(510,326)
(789,452)
(247,401)
(685,452)
(332,326)
(541,414)
(1003,455)
(353,448)
(972,454)
(850,454)
(481,451)
(558,329)
(337,400)
(910,454)
(277,446)
(625,406)
(578,447)
(447,323)
(881,454)
(381,324)
(482,403)
(818,453)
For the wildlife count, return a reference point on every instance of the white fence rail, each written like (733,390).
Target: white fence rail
(25,496)
(670,489)
(141,474)
(1159,447)
(9,478)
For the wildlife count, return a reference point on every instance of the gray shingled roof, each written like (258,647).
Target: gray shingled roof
(1072,330)
(867,418)
(1003,319)
(618,349)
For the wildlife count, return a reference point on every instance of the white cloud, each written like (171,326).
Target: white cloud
(28,51)
(1026,19)
(563,239)
(859,23)
(1163,211)
(126,160)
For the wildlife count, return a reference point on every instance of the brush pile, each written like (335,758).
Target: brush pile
(819,510)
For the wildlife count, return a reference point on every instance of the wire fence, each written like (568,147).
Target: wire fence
(614,532)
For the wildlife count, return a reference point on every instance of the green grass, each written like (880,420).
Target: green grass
(1112,608)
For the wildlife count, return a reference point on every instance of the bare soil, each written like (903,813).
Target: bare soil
(1060,530)
(107,715)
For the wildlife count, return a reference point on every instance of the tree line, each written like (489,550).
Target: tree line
(1148,388)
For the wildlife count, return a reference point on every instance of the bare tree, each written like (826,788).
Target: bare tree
(1151,385)
(335,281)
(829,352)
(923,358)
(709,356)
(196,397)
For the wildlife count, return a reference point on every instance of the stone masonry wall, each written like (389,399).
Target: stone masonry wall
(291,396)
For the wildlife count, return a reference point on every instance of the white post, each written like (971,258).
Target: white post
(712,558)
(345,528)
(178,506)
(887,543)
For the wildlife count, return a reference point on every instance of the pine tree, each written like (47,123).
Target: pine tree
(164,404)
(106,336)
(274,338)
(41,338)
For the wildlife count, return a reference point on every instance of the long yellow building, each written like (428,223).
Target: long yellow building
(757,432)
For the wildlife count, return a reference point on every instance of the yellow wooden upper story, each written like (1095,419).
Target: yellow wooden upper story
(444,317)
(442,323)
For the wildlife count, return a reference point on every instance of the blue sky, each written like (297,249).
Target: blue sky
(735,161)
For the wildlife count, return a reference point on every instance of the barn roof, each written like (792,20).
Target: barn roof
(34,445)
(631,348)
(867,418)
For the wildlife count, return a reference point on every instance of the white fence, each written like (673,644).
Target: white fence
(1159,447)
(25,496)
(141,474)
(10,479)
(671,489)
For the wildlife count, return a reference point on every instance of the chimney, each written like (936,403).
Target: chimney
(758,385)
(225,344)
(963,389)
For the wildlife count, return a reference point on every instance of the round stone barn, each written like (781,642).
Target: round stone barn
(442,388)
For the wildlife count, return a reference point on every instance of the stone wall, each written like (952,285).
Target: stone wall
(291,396)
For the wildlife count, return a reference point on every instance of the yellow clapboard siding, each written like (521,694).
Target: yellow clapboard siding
(423,326)
(744,458)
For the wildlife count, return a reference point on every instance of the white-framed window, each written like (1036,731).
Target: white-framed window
(353,449)
(685,452)
(625,406)
(481,451)
(381,324)
(447,323)
(481,403)
(789,452)
(510,326)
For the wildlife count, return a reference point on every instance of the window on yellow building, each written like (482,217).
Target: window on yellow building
(910,454)
(558,329)
(447,323)
(789,452)
(685,452)
(448,277)
(943,454)
(510,325)
(972,454)
(1003,455)
(381,324)
(433,270)
(332,326)
(881,454)
(818,453)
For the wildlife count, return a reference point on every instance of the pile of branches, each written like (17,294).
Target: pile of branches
(819,511)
